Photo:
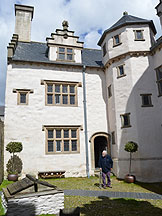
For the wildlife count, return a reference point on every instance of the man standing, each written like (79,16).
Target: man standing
(106,165)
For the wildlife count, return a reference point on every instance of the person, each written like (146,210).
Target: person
(105,165)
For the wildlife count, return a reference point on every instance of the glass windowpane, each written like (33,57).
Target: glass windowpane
(126,120)
(72,89)
(50,99)
(58,145)
(117,41)
(66,133)
(66,145)
(23,98)
(160,88)
(57,99)
(73,133)
(50,88)
(69,50)
(139,35)
(69,57)
(50,146)
(72,99)
(65,99)
(58,133)
(61,49)
(57,88)
(64,89)
(74,145)
(61,56)
(121,70)
(50,133)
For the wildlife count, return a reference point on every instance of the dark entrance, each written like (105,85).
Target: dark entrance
(100,144)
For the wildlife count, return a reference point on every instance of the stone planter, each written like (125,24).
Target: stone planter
(129,178)
(12,177)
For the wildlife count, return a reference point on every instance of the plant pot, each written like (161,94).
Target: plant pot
(129,178)
(12,177)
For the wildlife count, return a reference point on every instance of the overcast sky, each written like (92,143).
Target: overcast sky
(88,18)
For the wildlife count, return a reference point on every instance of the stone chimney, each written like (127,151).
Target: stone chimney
(159,11)
(24,16)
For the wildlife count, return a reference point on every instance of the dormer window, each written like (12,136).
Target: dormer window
(139,35)
(65,53)
(116,40)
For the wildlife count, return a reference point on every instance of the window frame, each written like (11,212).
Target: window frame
(149,99)
(66,54)
(158,81)
(109,89)
(62,139)
(114,40)
(25,92)
(122,120)
(61,93)
(118,71)
(135,33)
(104,49)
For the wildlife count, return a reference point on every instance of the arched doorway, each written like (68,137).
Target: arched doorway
(99,141)
(100,144)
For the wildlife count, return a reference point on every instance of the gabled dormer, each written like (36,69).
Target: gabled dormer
(64,45)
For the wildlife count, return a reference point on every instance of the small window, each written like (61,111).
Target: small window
(62,139)
(159,80)
(113,137)
(65,53)
(139,35)
(120,71)
(146,100)
(61,93)
(22,96)
(109,91)
(104,49)
(116,40)
(125,120)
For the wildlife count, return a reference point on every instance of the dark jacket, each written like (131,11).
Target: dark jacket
(106,163)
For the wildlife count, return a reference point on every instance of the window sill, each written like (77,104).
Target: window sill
(147,105)
(139,39)
(121,76)
(53,153)
(128,126)
(62,105)
(115,45)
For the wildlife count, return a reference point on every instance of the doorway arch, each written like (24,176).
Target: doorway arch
(99,141)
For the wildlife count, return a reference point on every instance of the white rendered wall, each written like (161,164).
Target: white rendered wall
(24,122)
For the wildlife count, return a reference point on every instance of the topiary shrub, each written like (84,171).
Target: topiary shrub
(131,147)
(14,147)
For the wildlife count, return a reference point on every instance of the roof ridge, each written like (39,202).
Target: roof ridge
(92,49)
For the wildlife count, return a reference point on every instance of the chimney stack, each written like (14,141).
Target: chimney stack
(159,11)
(24,16)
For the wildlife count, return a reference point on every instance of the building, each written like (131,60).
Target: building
(2,113)
(66,103)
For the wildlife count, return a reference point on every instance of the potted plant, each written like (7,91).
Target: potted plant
(130,147)
(14,165)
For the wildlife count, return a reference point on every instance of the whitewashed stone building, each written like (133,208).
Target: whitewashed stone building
(67,103)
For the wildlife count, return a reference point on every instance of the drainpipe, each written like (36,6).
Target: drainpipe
(85,121)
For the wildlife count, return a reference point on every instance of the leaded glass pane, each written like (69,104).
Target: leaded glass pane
(69,57)
(61,49)
(139,35)
(66,133)
(64,88)
(69,50)
(65,99)
(50,99)
(146,100)
(74,145)
(61,56)
(66,145)
(57,99)
(50,133)
(23,98)
(72,89)
(58,133)
(50,88)
(117,41)
(72,99)
(126,120)
(50,146)
(58,145)
(73,133)
(57,88)
(121,70)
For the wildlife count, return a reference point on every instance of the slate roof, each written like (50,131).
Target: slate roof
(158,43)
(2,110)
(38,52)
(127,20)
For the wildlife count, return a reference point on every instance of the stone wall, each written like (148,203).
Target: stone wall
(47,202)
(1,150)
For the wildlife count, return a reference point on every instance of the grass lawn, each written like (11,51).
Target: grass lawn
(102,206)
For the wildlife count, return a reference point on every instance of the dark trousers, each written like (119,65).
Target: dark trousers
(104,175)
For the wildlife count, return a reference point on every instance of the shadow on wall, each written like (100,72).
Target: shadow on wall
(21,209)
(120,207)
(145,129)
